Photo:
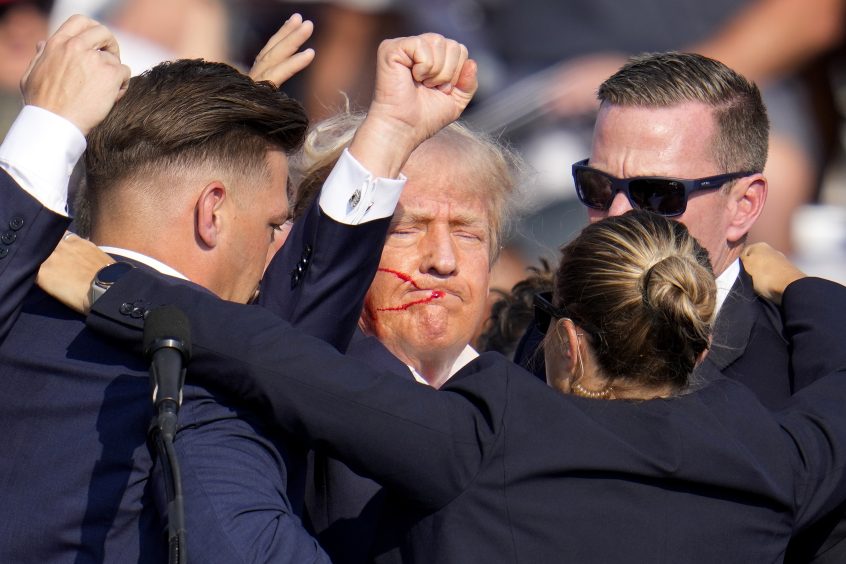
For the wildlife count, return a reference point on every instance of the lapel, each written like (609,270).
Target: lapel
(734,323)
(371,350)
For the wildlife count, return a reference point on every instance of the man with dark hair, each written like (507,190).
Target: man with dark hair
(188,179)
(685,136)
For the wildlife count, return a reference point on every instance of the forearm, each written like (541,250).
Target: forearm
(769,38)
(399,433)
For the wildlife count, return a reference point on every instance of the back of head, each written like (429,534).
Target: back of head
(183,115)
(643,288)
(668,79)
(493,164)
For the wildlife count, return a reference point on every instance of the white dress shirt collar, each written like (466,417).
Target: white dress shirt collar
(468,354)
(144,259)
(725,281)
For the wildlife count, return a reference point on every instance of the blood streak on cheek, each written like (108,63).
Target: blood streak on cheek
(436,294)
(401,275)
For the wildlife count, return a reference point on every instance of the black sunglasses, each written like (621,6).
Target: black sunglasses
(545,311)
(665,196)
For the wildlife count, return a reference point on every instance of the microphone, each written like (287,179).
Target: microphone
(167,343)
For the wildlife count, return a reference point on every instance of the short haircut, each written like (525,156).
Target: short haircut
(642,288)
(672,78)
(496,166)
(186,114)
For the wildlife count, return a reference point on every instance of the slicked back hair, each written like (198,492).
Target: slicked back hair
(183,115)
(672,78)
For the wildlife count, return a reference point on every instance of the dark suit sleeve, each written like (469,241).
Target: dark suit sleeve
(814,311)
(423,443)
(28,234)
(823,347)
(318,280)
(234,487)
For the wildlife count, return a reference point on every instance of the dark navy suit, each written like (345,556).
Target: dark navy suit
(345,509)
(497,467)
(28,233)
(78,482)
(749,346)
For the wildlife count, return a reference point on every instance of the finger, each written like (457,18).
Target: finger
(467,82)
(438,46)
(443,77)
(73,26)
(282,72)
(286,46)
(287,28)
(126,75)
(100,38)
(421,60)
(463,55)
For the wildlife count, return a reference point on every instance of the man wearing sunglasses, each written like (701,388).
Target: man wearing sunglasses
(686,137)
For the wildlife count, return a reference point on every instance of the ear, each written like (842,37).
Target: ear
(747,198)
(208,219)
(704,353)
(570,343)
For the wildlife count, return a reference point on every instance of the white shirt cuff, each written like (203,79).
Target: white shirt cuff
(39,152)
(352,195)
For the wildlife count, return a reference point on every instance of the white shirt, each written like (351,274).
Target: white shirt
(725,281)
(39,152)
(468,354)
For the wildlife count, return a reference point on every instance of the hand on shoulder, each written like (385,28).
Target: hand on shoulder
(770,270)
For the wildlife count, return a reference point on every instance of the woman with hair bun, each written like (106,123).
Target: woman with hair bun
(633,305)
(632,463)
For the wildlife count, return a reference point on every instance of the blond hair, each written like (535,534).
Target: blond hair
(644,289)
(495,165)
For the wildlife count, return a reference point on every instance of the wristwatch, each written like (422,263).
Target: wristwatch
(105,277)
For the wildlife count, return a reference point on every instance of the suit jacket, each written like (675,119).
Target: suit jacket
(345,509)
(497,467)
(28,234)
(749,345)
(77,479)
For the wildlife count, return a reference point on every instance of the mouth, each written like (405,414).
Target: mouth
(429,294)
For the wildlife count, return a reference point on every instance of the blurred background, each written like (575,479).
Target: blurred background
(540,64)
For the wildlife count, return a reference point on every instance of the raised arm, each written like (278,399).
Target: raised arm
(70,85)
(319,278)
(423,443)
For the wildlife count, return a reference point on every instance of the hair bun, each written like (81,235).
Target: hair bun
(681,296)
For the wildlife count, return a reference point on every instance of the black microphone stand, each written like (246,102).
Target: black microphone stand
(162,432)
(167,342)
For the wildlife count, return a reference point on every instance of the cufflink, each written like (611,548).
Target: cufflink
(355,198)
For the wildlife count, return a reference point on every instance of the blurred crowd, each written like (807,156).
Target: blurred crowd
(540,65)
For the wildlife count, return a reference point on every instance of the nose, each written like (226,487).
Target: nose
(439,253)
(619,205)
